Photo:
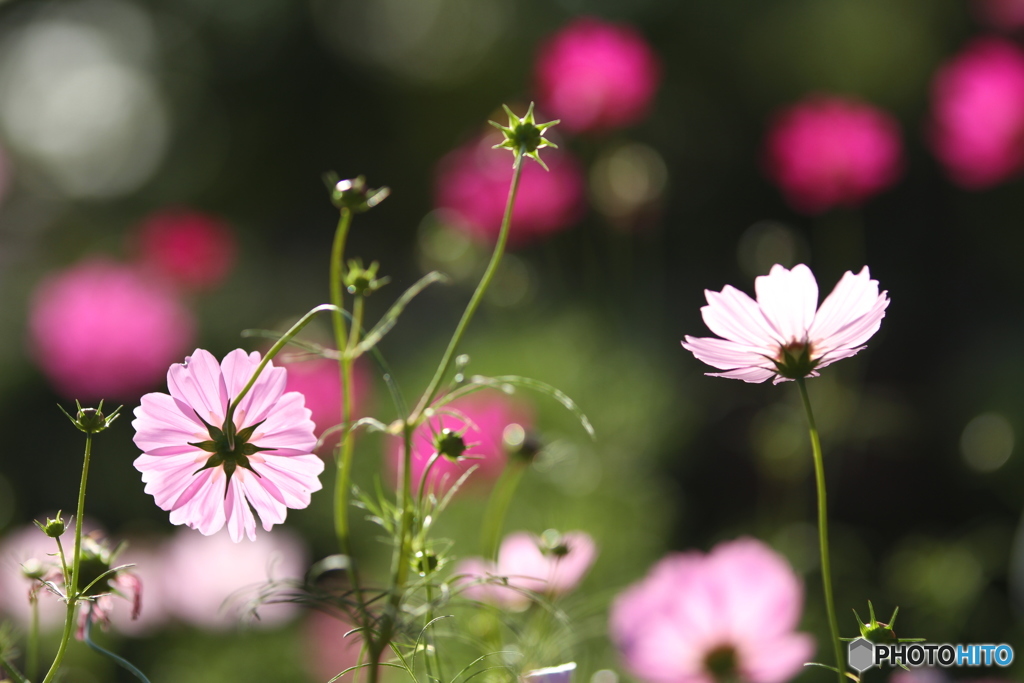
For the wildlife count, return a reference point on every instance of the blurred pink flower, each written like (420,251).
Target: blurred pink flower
(104,330)
(473,183)
(727,615)
(829,151)
(784,334)
(532,564)
(191,249)
(1006,15)
(977,129)
(319,381)
(328,650)
(22,547)
(488,416)
(191,469)
(210,581)
(596,76)
(148,560)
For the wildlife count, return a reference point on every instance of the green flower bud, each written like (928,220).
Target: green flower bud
(52,527)
(877,632)
(353,194)
(524,136)
(363,281)
(520,444)
(450,444)
(91,420)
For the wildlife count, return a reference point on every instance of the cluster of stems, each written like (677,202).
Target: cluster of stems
(379,627)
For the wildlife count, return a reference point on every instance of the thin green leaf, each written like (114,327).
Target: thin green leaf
(390,318)
(363,666)
(13,671)
(504,381)
(371,424)
(482,658)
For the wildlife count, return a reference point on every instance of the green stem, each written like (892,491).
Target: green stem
(485,281)
(400,560)
(826,567)
(497,507)
(72,589)
(32,663)
(344,343)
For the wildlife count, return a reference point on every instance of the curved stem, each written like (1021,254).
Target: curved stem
(826,568)
(485,281)
(229,421)
(76,560)
(345,342)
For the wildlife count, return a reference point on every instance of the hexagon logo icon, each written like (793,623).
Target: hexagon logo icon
(861,655)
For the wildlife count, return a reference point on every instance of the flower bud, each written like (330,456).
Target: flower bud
(52,527)
(33,569)
(424,562)
(91,420)
(449,444)
(520,444)
(353,194)
(524,136)
(363,281)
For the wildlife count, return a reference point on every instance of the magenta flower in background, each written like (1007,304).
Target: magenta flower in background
(318,380)
(544,566)
(596,76)
(727,615)
(473,182)
(210,582)
(104,330)
(193,250)
(977,128)
(191,468)
(828,151)
(488,416)
(784,334)
(1006,15)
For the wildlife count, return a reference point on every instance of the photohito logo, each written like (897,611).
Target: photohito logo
(863,654)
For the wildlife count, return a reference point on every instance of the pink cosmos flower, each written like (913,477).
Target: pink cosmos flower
(596,76)
(210,582)
(473,182)
(977,127)
(190,465)
(727,615)
(549,566)
(104,330)
(784,334)
(829,151)
(191,249)
(483,435)
(319,381)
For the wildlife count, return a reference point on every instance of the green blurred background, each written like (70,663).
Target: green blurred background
(237,108)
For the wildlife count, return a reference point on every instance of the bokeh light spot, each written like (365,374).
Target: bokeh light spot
(987,442)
